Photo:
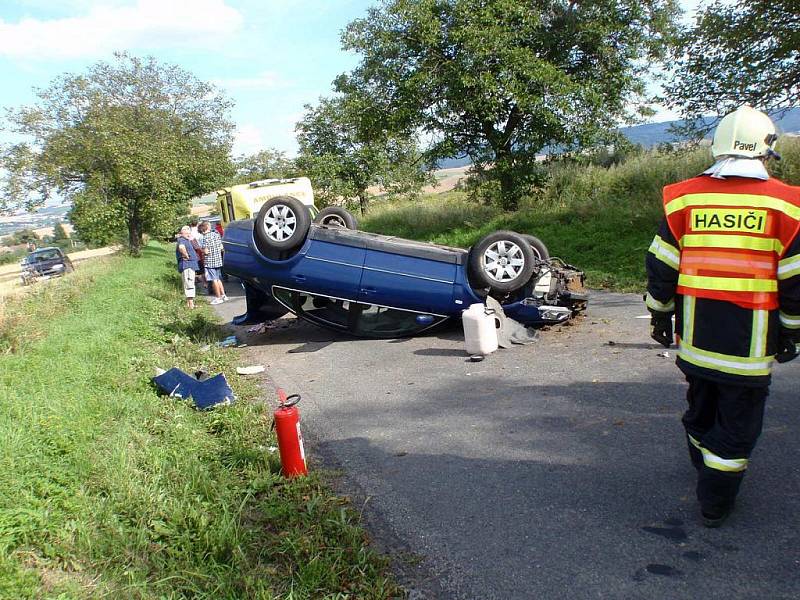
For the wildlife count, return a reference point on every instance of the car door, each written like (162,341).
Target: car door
(332,265)
(408,275)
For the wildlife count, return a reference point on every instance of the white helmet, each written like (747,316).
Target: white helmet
(746,132)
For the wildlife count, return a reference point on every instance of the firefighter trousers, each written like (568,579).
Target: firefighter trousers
(722,425)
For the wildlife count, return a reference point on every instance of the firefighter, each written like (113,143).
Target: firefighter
(726,263)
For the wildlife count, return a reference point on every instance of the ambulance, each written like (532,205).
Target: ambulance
(243,201)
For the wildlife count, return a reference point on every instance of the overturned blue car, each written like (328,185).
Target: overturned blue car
(371,285)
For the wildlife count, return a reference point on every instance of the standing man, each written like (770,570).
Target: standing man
(726,261)
(187,263)
(212,250)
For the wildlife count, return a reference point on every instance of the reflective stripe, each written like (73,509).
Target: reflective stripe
(711,259)
(789,321)
(728,284)
(666,253)
(725,363)
(744,242)
(714,461)
(654,304)
(688,319)
(758,337)
(737,200)
(789,267)
(730,465)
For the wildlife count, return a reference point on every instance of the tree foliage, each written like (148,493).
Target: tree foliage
(265,164)
(129,143)
(737,53)
(343,157)
(499,80)
(59,233)
(20,236)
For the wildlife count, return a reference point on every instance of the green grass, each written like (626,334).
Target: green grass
(109,490)
(602,220)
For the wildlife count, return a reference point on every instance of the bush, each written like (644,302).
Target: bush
(787,169)
(7,258)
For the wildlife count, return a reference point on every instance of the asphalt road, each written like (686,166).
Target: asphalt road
(556,470)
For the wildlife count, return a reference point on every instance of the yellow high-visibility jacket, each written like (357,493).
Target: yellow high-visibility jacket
(726,260)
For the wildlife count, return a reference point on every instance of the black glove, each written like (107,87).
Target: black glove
(787,345)
(661,328)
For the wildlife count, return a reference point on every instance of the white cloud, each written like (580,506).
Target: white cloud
(143,24)
(266,80)
(249,139)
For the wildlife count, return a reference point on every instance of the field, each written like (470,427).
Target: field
(108,489)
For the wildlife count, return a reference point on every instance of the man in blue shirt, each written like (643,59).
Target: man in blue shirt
(187,263)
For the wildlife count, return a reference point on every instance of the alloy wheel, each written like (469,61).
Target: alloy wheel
(503,261)
(280,222)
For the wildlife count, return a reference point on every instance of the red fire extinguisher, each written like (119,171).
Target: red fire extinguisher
(290,439)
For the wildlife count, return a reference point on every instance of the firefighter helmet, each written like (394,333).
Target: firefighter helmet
(747,133)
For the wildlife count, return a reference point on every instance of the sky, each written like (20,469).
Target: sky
(271,56)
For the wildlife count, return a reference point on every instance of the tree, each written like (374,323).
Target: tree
(265,164)
(740,53)
(129,142)
(499,80)
(59,233)
(21,236)
(343,158)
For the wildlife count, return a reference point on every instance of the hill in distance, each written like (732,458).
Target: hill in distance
(650,135)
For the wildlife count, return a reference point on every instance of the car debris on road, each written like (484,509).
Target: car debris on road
(251,370)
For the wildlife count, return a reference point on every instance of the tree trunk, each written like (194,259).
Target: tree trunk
(134,234)
(503,168)
(363,202)
(504,172)
(509,195)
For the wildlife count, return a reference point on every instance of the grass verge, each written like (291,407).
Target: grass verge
(107,489)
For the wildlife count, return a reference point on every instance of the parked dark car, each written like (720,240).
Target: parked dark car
(374,285)
(44,264)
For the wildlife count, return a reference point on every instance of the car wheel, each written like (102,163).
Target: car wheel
(282,223)
(502,261)
(336,216)
(540,251)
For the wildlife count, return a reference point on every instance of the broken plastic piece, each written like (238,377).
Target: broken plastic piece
(229,341)
(208,393)
(251,370)
(509,331)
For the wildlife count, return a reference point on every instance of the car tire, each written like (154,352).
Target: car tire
(540,251)
(336,216)
(502,261)
(281,224)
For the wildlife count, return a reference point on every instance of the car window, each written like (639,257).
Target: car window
(42,256)
(329,312)
(362,319)
(379,321)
